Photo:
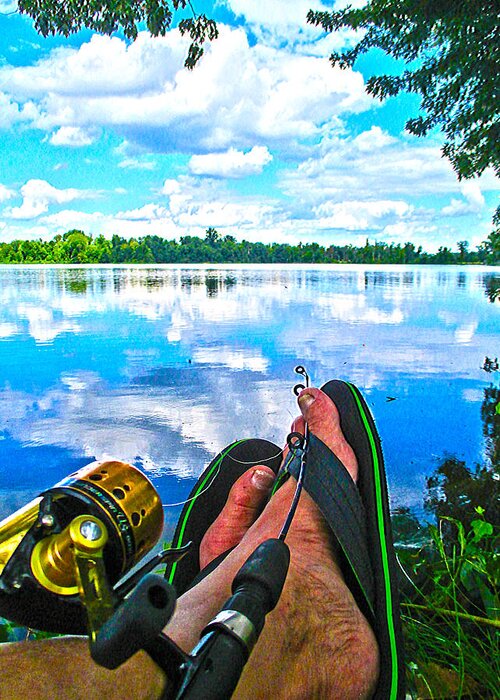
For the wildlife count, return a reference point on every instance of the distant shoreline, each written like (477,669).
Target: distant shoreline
(76,247)
(244,265)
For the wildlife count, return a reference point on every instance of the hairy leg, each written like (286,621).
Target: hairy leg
(62,669)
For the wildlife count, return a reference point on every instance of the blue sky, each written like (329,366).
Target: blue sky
(264,140)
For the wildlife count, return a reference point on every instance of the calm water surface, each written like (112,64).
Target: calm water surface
(164,366)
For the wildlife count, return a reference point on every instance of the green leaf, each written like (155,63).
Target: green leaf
(481,529)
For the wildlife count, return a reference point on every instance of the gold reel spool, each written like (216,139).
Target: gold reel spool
(127,503)
(121,491)
(116,493)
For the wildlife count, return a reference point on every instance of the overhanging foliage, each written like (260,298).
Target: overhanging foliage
(108,17)
(452,52)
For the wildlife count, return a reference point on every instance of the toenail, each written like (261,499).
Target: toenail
(306,400)
(262,480)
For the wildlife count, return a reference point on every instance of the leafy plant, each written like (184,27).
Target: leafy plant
(451,574)
(450,609)
(451,53)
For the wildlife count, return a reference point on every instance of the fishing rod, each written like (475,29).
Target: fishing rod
(69,562)
(214,667)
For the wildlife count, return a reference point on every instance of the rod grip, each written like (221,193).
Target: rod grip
(227,641)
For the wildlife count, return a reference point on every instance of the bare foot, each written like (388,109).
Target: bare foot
(244,504)
(249,493)
(316,643)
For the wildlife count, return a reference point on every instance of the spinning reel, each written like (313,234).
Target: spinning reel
(95,525)
(64,560)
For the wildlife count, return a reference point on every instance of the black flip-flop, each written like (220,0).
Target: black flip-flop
(358,516)
(207,499)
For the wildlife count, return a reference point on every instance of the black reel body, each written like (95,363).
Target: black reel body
(38,585)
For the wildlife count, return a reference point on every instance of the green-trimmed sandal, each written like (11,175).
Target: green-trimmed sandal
(207,499)
(358,516)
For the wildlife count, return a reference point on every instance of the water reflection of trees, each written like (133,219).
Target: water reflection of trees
(385,278)
(492,287)
(215,283)
(451,587)
(455,490)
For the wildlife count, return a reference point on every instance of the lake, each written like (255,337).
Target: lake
(163,366)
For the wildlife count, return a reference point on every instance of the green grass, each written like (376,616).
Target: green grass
(450,606)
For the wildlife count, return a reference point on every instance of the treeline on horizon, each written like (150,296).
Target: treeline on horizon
(75,246)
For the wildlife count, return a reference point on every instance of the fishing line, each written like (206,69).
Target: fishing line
(196,495)
(216,474)
(267,459)
(301,444)
(294,447)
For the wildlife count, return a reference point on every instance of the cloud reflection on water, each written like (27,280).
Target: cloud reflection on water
(163,367)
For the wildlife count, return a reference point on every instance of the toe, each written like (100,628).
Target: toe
(244,504)
(298,425)
(323,420)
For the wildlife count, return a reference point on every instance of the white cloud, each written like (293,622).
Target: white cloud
(351,307)
(376,165)
(146,213)
(255,221)
(136,164)
(232,163)
(373,140)
(7,6)
(237,96)
(195,204)
(67,219)
(10,111)
(43,327)
(282,23)
(223,214)
(6,193)
(457,207)
(170,187)
(38,195)
(102,66)
(234,358)
(472,203)
(355,215)
(72,136)
(8,329)
(276,13)
(472,193)
(465,333)
(149,220)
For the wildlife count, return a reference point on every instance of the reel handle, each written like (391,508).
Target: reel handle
(136,623)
